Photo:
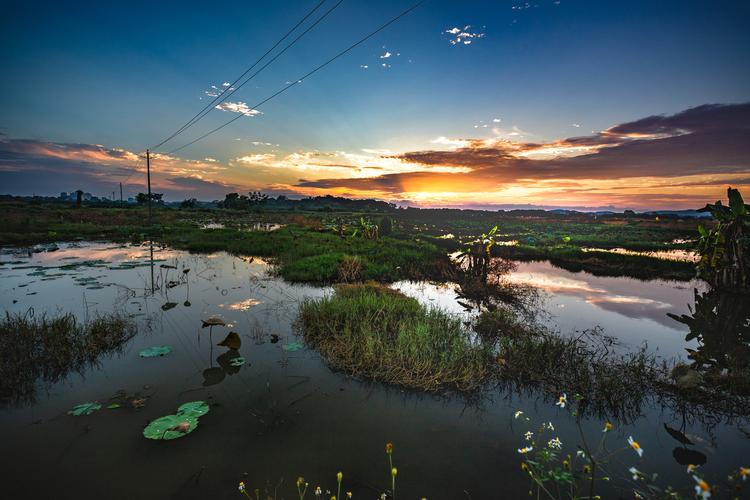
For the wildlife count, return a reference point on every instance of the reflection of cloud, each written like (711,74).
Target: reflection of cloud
(242,305)
(628,297)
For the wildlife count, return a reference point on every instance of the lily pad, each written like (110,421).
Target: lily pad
(170,427)
(193,409)
(84,409)
(292,346)
(237,361)
(155,351)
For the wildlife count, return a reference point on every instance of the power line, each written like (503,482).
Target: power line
(299,80)
(227,92)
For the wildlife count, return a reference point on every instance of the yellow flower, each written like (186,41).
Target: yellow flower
(525,450)
(241,487)
(394,471)
(300,481)
(349,494)
(691,468)
(389,448)
(744,472)
(586,468)
(634,444)
(608,427)
(340,476)
(524,466)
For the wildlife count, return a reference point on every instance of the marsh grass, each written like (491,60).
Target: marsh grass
(46,348)
(374,332)
(614,384)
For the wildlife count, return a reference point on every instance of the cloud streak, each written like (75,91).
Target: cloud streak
(690,146)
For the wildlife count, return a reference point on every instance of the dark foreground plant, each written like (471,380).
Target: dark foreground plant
(378,333)
(49,348)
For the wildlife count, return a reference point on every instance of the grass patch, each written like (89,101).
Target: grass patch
(371,331)
(49,348)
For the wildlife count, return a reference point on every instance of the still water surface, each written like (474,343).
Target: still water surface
(284,413)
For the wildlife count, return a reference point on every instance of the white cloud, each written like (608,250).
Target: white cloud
(496,120)
(576,125)
(210,160)
(386,55)
(363,66)
(453,143)
(256,158)
(238,107)
(463,36)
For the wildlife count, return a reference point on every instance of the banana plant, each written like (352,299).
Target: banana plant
(368,229)
(475,256)
(725,248)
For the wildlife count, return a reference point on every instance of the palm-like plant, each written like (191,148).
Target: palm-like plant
(725,248)
(475,256)
(368,230)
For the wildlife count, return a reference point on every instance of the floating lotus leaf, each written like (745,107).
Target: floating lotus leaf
(155,351)
(114,406)
(213,321)
(170,427)
(231,341)
(237,361)
(84,409)
(168,305)
(292,346)
(193,409)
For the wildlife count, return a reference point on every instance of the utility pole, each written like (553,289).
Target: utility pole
(148,176)
(121,192)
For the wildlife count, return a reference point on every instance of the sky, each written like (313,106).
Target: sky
(477,104)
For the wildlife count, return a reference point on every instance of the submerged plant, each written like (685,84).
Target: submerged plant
(155,351)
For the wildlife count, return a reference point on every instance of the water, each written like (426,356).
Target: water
(285,414)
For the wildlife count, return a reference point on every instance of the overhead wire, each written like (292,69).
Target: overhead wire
(299,80)
(233,87)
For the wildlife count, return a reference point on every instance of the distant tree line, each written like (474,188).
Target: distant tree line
(257,201)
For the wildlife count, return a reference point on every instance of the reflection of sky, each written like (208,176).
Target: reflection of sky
(68,253)
(630,309)
(274,401)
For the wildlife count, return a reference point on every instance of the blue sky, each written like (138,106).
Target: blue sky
(125,75)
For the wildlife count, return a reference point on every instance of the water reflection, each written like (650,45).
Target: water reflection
(720,324)
(682,454)
(288,414)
